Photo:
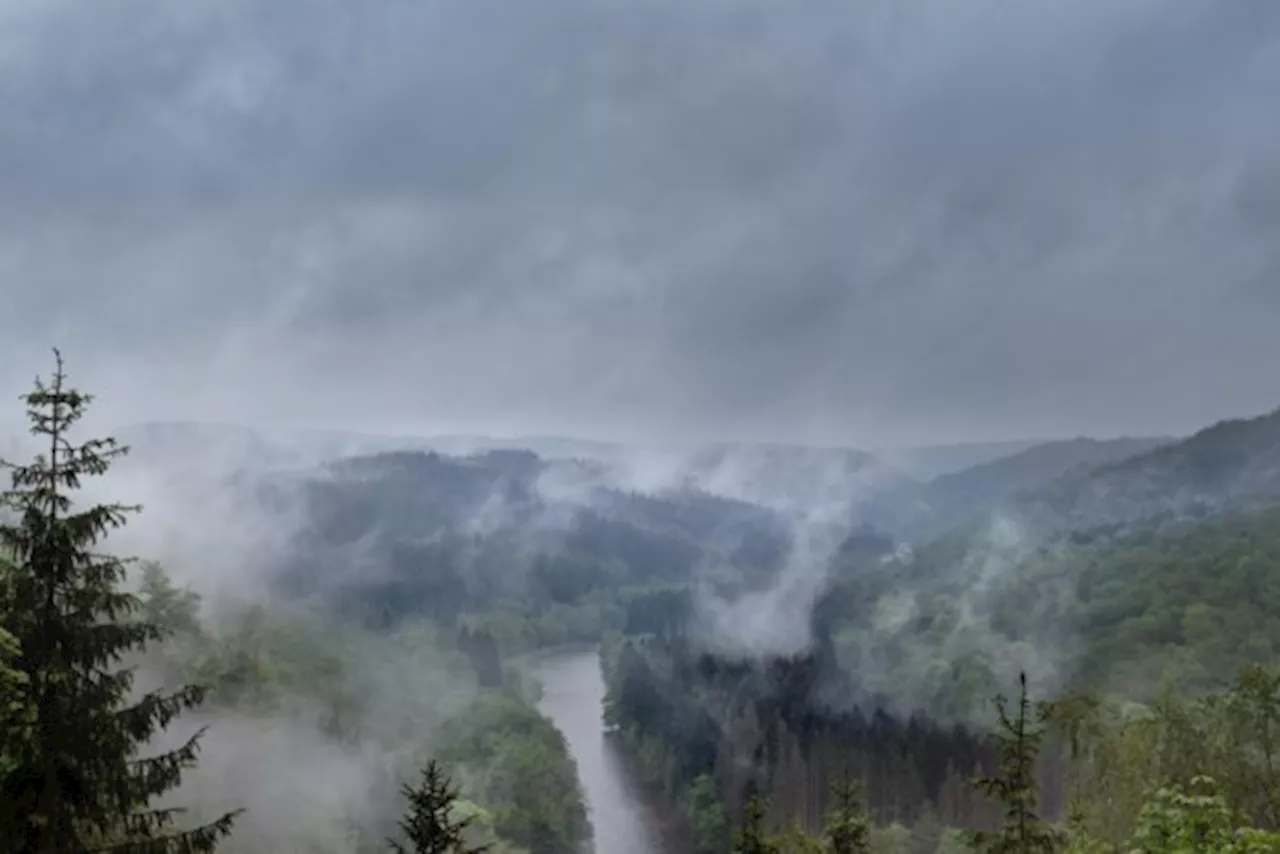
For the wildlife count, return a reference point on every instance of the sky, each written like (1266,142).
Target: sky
(873,223)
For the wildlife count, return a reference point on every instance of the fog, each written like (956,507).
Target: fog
(756,250)
(207,520)
(820,498)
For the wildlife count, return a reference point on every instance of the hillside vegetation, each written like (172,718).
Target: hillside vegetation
(377,679)
(973,490)
(1230,464)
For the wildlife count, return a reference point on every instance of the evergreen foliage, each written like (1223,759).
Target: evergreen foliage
(1019,739)
(848,827)
(73,780)
(752,838)
(431,827)
(11,682)
(707,821)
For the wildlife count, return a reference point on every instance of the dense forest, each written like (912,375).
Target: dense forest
(383,673)
(718,739)
(1140,716)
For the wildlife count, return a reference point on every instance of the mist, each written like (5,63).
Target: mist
(731,281)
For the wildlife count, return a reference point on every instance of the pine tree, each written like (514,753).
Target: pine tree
(1014,786)
(430,826)
(73,780)
(751,838)
(848,827)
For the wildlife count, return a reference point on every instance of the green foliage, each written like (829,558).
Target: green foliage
(707,819)
(795,841)
(266,663)
(751,837)
(1251,718)
(11,678)
(1122,754)
(1157,606)
(73,780)
(1174,821)
(953,841)
(847,828)
(1014,786)
(512,759)
(352,682)
(12,696)
(891,839)
(1180,607)
(481,830)
(926,832)
(432,825)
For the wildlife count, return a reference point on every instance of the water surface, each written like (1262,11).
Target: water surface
(573,697)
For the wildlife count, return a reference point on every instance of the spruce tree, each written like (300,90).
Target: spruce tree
(11,699)
(430,826)
(752,838)
(74,780)
(847,827)
(1014,785)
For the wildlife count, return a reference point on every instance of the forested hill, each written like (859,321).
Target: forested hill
(505,550)
(1231,464)
(416,532)
(976,489)
(392,531)
(1087,487)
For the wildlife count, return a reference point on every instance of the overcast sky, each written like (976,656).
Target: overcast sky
(860,223)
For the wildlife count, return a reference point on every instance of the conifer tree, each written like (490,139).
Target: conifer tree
(751,838)
(847,827)
(73,780)
(430,826)
(1014,785)
(11,682)
(174,609)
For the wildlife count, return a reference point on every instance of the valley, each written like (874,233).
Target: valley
(639,427)
(605,649)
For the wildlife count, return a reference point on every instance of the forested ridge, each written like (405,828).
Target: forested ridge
(384,665)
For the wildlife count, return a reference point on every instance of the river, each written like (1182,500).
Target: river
(573,697)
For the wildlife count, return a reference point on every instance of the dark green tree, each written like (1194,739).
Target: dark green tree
(752,838)
(847,827)
(11,699)
(1019,738)
(430,827)
(707,820)
(73,780)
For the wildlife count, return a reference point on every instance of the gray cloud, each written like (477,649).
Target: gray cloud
(856,223)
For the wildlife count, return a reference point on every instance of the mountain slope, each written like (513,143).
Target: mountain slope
(929,462)
(1231,464)
(446,535)
(955,495)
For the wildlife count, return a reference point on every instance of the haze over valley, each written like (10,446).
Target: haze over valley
(664,427)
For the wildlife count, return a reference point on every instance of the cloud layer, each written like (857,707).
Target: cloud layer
(862,223)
